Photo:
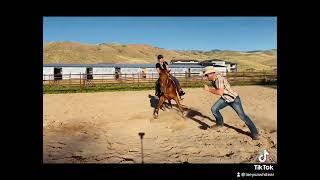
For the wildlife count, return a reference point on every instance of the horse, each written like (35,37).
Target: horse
(159,94)
(168,92)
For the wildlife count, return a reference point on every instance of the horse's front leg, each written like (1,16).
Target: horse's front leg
(166,105)
(170,103)
(156,110)
(179,105)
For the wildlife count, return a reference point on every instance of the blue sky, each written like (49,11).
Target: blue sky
(173,33)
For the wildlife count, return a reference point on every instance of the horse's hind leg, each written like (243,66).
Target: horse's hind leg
(166,105)
(163,105)
(179,105)
(170,104)
(156,110)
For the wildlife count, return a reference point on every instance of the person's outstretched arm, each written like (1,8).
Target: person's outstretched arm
(218,91)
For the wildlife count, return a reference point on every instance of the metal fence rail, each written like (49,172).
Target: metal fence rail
(138,78)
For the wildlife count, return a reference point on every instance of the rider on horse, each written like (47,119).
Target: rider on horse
(163,65)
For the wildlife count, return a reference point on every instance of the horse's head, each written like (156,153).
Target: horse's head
(163,76)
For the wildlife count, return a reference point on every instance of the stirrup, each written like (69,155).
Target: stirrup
(181,93)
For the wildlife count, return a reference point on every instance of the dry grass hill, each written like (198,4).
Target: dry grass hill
(74,53)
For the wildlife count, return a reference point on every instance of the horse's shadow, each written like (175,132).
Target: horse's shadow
(192,113)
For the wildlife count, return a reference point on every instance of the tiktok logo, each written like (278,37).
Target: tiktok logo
(263,156)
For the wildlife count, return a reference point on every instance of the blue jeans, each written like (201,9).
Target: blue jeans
(176,82)
(237,106)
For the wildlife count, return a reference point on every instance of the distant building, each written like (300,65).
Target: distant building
(184,61)
(213,61)
(230,67)
(179,68)
(113,71)
(77,71)
(218,62)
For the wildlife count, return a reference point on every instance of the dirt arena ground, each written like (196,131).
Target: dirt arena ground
(103,128)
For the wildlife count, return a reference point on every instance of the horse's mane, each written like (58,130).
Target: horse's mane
(163,71)
(166,73)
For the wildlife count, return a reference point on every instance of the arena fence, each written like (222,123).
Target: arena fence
(185,79)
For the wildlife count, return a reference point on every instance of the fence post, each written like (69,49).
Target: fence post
(148,78)
(84,79)
(52,79)
(138,80)
(186,79)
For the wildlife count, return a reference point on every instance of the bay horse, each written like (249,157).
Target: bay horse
(168,92)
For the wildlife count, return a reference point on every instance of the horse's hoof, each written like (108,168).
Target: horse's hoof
(155,116)
(184,115)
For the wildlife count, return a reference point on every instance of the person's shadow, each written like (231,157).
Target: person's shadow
(191,113)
